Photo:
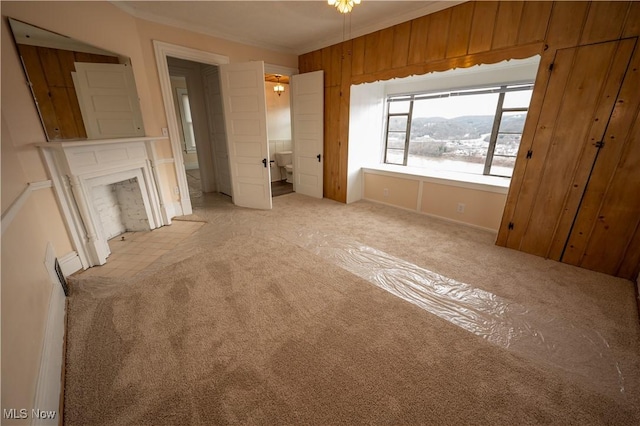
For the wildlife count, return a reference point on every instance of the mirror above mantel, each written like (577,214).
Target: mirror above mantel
(80,91)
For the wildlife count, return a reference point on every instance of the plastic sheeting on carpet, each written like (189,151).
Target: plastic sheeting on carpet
(500,321)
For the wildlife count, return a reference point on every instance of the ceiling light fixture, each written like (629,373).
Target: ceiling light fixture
(278,88)
(343,6)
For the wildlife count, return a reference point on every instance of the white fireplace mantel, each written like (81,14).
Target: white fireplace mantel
(76,167)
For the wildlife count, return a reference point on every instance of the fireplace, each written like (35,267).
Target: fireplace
(105,187)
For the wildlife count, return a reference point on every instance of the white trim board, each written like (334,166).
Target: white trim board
(49,384)
(70,263)
(19,202)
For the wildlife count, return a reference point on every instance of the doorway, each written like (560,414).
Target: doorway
(163,51)
(278,99)
(198,105)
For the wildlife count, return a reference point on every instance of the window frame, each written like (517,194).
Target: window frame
(501,89)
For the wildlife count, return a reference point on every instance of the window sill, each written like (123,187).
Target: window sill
(463,180)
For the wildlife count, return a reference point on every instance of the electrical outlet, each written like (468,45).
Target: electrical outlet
(176,190)
(385,192)
(460,208)
(165,131)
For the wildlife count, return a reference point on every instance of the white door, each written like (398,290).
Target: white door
(217,132)
(245,112)
(108,100)
(307,92)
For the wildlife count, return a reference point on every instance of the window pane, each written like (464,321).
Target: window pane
(519,99)
(399,107)
(503,167)
(512,122)
(396,140)
(398,123)
(187,108)
(395,156)
(504,156)
(452,134)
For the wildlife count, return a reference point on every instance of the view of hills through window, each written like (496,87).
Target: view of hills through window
(454,131)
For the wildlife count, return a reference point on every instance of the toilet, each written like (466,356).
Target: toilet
(284,160)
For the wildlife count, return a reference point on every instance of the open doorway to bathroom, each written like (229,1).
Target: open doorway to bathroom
(199,113)
(278,96)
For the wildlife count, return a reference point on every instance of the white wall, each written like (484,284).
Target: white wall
(278,112)
(366,125)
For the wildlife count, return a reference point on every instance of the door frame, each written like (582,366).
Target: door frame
(162,51)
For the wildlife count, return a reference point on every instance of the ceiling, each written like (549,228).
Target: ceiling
(294,27)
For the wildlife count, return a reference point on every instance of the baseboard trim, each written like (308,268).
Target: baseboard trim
(64,364)
(70,263)
(49,385)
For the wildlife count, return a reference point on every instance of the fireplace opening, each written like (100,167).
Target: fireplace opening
(120,208)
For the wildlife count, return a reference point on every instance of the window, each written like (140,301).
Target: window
(187,121)
(473,130)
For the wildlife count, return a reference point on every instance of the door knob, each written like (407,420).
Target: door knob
(264,161)
(319,157)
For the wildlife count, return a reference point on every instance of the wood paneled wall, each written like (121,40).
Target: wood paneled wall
(485,32)
(49,71)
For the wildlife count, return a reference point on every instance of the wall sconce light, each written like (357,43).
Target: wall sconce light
(343,6)
(278,88)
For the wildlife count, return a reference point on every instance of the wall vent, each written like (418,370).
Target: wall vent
(61,279)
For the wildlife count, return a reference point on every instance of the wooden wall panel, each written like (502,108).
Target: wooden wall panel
(459,30)
(305,62)
(326,66)
(385,44)
(632,24)
(438,29)
(419,39)
(566,23)
(618,218)
(400,51)
(50,63)
(357,56)
(605,21)
(66,59)
(630,265)
(619,138)
(535,18)
(332,146)
(346,65)
(66,121)
(371,52)
(40,88)
(569,132)
(531,169)
(534,128)
(484,18)
(585,163)
(507,24)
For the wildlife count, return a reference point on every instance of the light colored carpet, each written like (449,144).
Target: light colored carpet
(248,326)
